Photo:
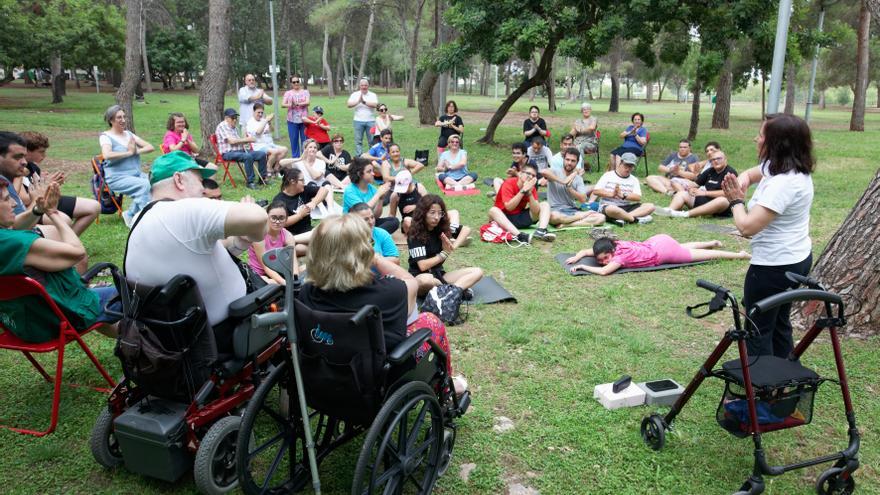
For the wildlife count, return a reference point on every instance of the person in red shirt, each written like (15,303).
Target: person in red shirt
(517,207)
(317,127)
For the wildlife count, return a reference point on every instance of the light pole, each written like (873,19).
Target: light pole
(776,70)
(809,110)
(273,69)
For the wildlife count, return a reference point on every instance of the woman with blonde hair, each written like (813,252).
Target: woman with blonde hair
(345,274)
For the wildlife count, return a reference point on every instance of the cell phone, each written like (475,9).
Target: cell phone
(622,383)
(661,385)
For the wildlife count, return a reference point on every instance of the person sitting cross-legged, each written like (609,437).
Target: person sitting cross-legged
(517,206)
(452,166)
(656,250)
(519,152)
(383,243)
(434,236)
(675,167)
(540,153)
(235,148)
(404,197)
(276,237)
(299,201)
(619,194)
(707,198)
(566,191)
(362,190)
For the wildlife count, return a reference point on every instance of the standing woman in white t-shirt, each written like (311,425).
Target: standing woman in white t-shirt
(778,221)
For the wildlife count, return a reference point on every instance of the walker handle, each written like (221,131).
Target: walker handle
(808,281)
(711,287)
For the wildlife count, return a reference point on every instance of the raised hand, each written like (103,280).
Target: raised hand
(732,188)
(48,201)
(447,244)
(132,146)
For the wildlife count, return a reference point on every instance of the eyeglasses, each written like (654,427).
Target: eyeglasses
(338,140)
(716,159)
(436,213)
(295,81)
(277,218)
(383,109)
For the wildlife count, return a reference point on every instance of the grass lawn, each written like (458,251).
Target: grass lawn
(535,362)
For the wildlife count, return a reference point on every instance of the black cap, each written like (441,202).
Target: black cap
(318,109)
(230,112)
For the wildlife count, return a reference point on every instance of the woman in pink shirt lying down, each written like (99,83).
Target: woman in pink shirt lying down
(657,250)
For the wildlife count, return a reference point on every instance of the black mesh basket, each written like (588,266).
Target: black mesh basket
(784,395)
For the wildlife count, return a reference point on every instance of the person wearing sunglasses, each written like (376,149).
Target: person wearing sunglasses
(296,101)
(707,197)
(383,121)
(517,206)
(276,237)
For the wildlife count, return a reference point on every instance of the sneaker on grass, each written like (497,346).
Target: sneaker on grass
(645,219)
(524,238)
(545,236)
(668,212)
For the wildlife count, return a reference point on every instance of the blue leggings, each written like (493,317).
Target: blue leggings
(297,134)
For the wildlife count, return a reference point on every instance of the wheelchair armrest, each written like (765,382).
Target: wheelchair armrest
(247,305)
(406,348)
(93,271)
(362,313)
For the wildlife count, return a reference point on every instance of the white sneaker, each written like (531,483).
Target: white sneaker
(645,219)
(663,211)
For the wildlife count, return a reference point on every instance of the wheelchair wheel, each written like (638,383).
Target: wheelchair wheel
(214,466)
(103,443)
(402,451)
(654,432)
(271,454)
(835,481)
(449,434)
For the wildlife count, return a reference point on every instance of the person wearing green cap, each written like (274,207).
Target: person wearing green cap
(185,233)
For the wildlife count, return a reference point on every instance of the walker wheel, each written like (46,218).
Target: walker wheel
(836,481)
(654,432)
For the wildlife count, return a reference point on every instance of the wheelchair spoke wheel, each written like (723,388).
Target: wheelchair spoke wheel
(403,450)
(103,443)
(654,432)
(214,466)
(835,481)
(271,455)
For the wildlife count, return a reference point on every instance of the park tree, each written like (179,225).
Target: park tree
(174,51)
(131,75)
(860,90)
(216,69)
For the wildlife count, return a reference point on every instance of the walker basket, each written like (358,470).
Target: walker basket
(784,394)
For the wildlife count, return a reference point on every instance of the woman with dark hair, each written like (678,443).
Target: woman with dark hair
(296,101)
(433,236)
(383,121)
(363,190)
(534,126)
(450,124)
(778,221)
(635,138)
(276,237)
(654,251)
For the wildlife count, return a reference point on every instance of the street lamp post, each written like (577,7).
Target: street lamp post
(274,71)
(776,70)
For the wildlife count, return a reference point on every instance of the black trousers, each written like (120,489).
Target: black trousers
(389,224)
(775,325)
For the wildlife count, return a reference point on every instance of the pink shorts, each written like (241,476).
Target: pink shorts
(669,251)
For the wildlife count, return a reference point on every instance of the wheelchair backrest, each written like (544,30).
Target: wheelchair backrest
(343,361)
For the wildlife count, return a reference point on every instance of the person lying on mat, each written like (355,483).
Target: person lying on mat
(383,243)
(434,236)
(517,206)
(678,165)
(706,198)
(396,164)
(566,191)
(519,152)
(404,197)
(619,194)
(362,190)
(452,166)
(50,262)
(344,275)
(657,250)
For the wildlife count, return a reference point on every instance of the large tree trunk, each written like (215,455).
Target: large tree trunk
(790,87)
(850,266)
(57,78)
(414,56)
(721,115)
(649,92)
(340,66)
(148,78)
(550,86)
(131,75)
(507,78)
(367,38)
(304,71)
(427,109)
(581,83)
(857,121)
(531,73)
(614,104)
(216,69)
(484,79)
(325,60)
(695,111)
(541,74)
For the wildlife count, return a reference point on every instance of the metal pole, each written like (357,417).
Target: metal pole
(274,70)
(776,71)
(496,82)
(813,69)
(97,84)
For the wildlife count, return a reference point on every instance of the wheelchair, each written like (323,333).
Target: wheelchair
(347,384)
(161,421)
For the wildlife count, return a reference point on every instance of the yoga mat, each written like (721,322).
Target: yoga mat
(486,291)
(590,261)
(452,192)
(720,229)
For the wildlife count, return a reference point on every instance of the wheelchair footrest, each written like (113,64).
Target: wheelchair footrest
(464,402)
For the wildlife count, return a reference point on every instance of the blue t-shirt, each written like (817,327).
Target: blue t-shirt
(459,173)
(378,151)
(383,244)
(630,140)
(353,195)
(19,206)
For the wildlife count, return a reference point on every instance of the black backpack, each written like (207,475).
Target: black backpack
(445,302)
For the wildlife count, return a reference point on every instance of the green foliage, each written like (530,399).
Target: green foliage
(173,51)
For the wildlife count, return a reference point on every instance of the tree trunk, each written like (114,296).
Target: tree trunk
(550,85)
(589,88)
(507,78)
(427,109)
(367,38)
(148,78)
(568,80)
(614,104)
(414,57)
(649,92)
(541,74)
(131,75)
(303,69)
(484,79)
(57,78)
(216,69)
(850,266)
(857,121)
(695,111)
(878,93)
(721,115)
(790,87)
(340,65)
(531,73)
(661,85)
(763,96)
(325,60)
(601,85)
(581,83)
(822,98)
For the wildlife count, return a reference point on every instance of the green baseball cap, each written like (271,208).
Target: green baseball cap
(177,161)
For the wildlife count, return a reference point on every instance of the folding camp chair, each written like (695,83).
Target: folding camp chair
(17,287)
(101,190)
(226,163)
(644,155)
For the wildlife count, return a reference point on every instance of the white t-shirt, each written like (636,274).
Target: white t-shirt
(245,107)
(318,166)
(265,137)
(785,240)
(183,237)
(542,158)
(362,112)
(629,185)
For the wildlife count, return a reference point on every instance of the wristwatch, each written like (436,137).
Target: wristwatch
(37,213)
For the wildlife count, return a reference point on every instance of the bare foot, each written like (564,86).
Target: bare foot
(745,255)
(715,244)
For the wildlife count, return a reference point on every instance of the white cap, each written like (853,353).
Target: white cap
(402,181)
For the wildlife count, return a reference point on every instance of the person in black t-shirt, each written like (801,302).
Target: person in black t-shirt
(450,124)
(534,126)
(299,202)
(434,235)
(337,160)
(404,197)
(707,198)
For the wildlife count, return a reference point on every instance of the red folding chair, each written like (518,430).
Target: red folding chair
(19,286)
(225,164)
